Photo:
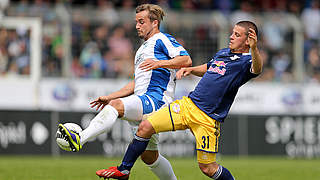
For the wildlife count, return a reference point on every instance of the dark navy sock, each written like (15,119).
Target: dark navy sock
(222,174)
(134,150)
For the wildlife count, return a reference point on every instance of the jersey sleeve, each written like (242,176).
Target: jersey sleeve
(247,71)
(168,48)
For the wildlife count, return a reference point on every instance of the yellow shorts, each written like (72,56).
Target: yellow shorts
(184,114)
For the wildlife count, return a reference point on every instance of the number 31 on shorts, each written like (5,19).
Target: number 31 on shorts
(205,142)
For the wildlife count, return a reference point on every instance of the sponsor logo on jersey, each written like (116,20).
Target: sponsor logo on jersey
(218,67)
(235,57)
(139,58)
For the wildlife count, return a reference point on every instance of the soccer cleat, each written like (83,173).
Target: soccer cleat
(72,137)
(114,173)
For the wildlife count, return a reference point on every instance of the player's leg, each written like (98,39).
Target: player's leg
(206,155)
(215,171)
(207,168)
(103,121)
(134,150)
(207,133)
(129,107)
(160,121)
(158,164)
(162,168)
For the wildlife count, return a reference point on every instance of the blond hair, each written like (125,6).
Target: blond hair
(155,12)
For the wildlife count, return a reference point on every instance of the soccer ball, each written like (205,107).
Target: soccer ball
(62,141)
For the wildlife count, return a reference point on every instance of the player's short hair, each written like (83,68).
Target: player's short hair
(247,25)
(155,12)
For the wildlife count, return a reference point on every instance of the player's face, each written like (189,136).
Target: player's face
(238,40)
(144,25)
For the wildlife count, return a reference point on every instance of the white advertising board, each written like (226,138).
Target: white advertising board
(75,95)
(19,94)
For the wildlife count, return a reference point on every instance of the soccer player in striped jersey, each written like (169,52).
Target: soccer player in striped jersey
(156,63)
(206,107)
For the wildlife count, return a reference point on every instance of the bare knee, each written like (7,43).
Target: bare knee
(209,169)
(149,157)
(118,105)
(145,129)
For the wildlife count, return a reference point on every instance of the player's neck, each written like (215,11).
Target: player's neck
(151,33)
(240,50)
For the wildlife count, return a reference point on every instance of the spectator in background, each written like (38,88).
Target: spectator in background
(77,70)
(13,70)
(111,70)
(17,44)
(313,69)
(23,60)
(86,28)
(107,12)
(311,20)
(274,31)
(244,13)
(224,6)
(294,7)
(128,4)
(121,51)
(101,35)
(281,64)
(57,54)
(92,61)
(39,8)
(4,59)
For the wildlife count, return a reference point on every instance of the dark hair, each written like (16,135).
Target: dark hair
(155,12)
(247,25)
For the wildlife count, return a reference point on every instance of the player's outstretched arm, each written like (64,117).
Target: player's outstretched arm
(102,101)
(197,70)
(174,63)
(257,63)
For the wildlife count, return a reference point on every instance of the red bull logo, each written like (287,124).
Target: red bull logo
(219,67)
(220,63)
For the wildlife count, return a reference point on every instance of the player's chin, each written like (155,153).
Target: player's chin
(141,36)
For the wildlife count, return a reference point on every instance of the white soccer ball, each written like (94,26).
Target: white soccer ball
(62,141)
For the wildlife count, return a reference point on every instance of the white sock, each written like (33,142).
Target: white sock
(162,169)
(101,123)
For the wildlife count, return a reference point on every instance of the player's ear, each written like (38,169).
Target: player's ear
(155,23)
(247,41)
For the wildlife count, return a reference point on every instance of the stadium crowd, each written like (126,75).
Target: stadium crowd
(103,38)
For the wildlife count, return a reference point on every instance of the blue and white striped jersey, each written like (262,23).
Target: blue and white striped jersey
(157,84)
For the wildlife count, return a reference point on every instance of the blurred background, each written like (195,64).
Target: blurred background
(56,56)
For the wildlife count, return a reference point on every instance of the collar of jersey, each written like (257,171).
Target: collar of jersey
(243,54)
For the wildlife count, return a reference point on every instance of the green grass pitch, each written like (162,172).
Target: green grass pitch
(84,167)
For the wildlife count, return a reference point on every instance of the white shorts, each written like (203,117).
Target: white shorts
(134,108)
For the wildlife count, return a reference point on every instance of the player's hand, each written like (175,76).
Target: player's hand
(100,102)
(252,38)
(183,72)
(149,64)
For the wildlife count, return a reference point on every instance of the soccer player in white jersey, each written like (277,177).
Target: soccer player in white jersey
(153,86)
